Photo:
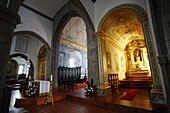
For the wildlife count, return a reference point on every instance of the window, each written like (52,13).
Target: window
(21,68)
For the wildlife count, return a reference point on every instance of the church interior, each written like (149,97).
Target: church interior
(72,56)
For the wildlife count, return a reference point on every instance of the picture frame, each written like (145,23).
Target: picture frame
(109,63)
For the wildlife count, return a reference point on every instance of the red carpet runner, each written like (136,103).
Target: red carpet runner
(130,95)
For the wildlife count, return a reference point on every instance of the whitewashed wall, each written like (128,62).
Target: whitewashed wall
(89,6)
(32,51)
(36,23)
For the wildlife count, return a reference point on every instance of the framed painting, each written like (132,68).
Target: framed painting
(109,63)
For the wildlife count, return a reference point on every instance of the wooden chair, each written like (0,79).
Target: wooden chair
(113,81)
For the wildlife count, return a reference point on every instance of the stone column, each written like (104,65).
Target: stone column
(164,57)
(160,12)
(104,89)
(8,21)
(164,62)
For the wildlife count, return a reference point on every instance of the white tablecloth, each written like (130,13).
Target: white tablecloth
(44,86)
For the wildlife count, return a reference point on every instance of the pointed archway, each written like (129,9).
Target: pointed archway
(37,37)
(70,10)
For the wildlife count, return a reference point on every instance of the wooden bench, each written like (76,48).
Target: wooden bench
(113,81)
(68,77)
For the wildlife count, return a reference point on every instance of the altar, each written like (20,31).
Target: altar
(137,61)
(138,73)
(43,86)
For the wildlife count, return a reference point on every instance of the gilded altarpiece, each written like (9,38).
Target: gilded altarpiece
(41,75)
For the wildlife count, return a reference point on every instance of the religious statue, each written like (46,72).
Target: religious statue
(137,55)
(109,60)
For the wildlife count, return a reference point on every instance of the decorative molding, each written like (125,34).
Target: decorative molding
(105,37)
(101,34)
(74,45)
(152,56)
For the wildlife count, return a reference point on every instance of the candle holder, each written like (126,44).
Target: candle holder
(50,95)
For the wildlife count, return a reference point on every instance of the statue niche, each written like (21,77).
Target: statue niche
(136,58)
(137,55)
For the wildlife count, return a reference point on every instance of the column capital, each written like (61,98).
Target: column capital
(9,17)
(101,34)
(14,5)
(143,19)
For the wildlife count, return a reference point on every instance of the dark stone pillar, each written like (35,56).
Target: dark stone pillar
(8,21)
(160,11)
(164,62)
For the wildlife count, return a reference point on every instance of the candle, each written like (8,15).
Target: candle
(29,77)
(51,78)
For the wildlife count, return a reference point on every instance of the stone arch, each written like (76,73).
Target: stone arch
(31,71)
(136,7)
(148,39)
(46,45)
(72,9)
(35,35)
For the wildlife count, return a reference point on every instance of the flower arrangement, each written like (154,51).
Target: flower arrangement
(91,89)
(32,91)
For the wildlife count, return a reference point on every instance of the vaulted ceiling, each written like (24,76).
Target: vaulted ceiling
(75,28)
(75,31)
(46,7)
(122,26)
